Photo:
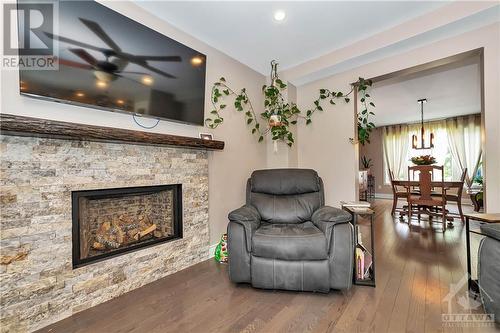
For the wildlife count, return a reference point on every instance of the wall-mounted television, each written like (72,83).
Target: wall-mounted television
(110,62)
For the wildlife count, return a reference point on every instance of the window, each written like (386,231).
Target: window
(398,152)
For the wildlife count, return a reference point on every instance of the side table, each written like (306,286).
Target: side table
(484,218)
(371,186)
(367,276)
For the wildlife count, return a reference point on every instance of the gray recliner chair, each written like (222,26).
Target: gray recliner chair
(489,269)
(286,238)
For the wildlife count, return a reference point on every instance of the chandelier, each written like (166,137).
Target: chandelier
(422,131)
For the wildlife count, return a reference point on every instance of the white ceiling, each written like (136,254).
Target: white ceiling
(247,31)
(450,91)
(474,20)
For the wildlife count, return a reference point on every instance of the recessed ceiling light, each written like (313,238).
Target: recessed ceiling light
(279,15)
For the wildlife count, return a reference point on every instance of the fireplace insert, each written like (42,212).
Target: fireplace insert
(110,222)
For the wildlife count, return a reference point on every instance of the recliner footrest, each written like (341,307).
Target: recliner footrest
(302,275)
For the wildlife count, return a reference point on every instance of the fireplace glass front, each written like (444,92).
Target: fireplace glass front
(109,222)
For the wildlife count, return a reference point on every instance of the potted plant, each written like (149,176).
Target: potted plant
(479,197)
(367,164)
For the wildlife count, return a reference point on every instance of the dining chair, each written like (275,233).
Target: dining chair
(415,173)
(397,193)
(457,196)
(423,201)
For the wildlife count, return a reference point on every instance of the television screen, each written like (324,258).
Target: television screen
(111,62)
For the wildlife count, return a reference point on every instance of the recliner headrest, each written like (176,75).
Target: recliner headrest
(285,181)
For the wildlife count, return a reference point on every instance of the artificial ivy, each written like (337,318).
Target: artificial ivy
(279,114)
(365,125)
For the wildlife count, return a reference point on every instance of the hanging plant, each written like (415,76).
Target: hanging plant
(278,114)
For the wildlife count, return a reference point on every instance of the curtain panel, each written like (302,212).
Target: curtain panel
(464,139)
(396,144)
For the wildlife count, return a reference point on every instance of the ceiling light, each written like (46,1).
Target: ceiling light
(279,15)
(414,137)
(196,61)
(101,84)
(147,80)
(80,94)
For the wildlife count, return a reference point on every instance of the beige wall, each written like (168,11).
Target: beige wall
(375,151)
(228,169)
(324,144)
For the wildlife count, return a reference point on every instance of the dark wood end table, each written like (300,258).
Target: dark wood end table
(472,285)
(356,212)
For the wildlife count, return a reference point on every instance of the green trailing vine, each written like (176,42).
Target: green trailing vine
(365,125)
(279,114)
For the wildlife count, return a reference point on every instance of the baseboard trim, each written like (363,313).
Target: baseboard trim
(383,196)
(211,250)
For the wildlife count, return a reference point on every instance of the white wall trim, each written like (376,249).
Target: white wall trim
(211,250)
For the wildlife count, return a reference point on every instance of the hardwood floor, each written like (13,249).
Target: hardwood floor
(414,272)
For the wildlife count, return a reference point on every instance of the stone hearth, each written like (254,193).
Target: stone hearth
(38,283)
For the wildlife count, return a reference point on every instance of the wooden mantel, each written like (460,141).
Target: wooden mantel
(27,126)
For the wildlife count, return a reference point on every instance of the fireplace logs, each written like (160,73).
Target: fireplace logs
(123,231)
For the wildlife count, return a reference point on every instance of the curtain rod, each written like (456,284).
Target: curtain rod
(432,120)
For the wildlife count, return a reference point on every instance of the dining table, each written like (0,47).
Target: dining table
(449,184)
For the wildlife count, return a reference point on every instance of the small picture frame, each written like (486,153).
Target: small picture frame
(206,136)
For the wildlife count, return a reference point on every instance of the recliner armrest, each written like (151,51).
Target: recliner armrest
(326,217)
(330,215)
(244,213)
(491,230)
(249,218)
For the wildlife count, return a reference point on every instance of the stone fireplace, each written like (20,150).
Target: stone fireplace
(39,180)
(110,222)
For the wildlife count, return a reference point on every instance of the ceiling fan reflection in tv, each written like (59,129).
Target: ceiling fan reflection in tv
(109,70)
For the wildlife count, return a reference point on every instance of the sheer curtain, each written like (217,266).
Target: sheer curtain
(396,143)
(464,139)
